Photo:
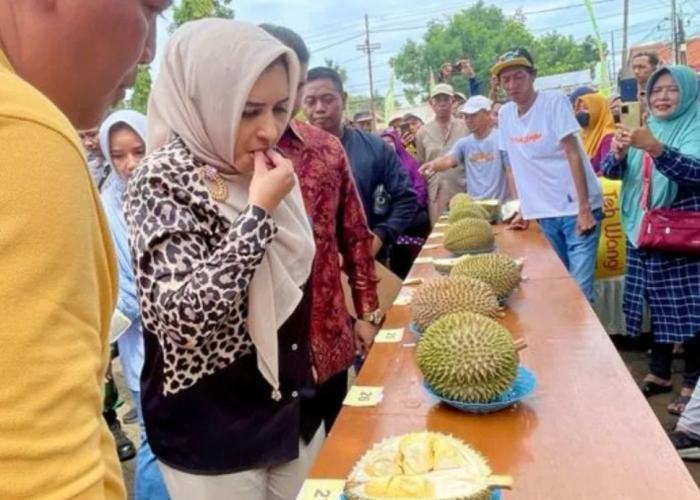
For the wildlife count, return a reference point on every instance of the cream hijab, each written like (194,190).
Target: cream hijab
(209,69)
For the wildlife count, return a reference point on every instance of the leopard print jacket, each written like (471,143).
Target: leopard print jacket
(193,266)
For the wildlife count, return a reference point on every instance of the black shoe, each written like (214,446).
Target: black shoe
(130,417)
(687,446)
(125,447)
(650,389)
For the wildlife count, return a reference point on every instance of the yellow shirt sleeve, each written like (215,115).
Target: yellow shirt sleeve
(57,293)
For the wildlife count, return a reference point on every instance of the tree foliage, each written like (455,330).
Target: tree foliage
(190,10)
(481,33)
(142,90)
(330,63)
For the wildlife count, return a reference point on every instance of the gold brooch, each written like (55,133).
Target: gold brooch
(216,185)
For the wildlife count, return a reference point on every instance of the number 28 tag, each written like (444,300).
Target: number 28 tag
(322,489)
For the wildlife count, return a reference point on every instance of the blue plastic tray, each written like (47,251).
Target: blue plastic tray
(413,328)
(524,385)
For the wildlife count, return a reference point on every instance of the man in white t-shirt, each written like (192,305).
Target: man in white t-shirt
(486,174)
(553,175)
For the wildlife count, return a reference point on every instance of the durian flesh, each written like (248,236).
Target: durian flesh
(467,357)
(456,470)
(499,271)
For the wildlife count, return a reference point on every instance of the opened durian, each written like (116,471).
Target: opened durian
(468,358)
(436,298)
(469,236)
(497,270)
(459,199)
(449,470)
(493,207)
(468,211)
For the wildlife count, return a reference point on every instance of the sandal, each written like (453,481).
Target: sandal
(677,406)
(650,389)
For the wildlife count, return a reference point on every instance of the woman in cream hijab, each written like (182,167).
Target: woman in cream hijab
(223,252)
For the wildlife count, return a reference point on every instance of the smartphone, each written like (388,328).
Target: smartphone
(630,115)
(405,128)
(456,68)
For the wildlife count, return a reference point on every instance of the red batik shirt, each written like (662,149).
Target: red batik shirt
(340,227)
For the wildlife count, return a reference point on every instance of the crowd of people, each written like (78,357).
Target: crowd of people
(220,228)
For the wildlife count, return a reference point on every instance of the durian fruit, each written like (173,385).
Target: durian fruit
(470,236)
(436,298)
(497,270)
(458,199)
(469,358)
(445,266)
(468,211)
(493,207)
(460,472)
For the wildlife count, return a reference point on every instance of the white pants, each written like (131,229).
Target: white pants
(690,418)
(282,482)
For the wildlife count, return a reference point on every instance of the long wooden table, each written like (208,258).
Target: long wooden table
(586,434)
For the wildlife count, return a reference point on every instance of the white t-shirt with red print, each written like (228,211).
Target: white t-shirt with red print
(540,166)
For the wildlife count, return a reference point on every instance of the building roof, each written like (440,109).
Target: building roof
(664,52)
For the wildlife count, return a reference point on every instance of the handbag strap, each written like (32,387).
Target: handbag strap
(647,169)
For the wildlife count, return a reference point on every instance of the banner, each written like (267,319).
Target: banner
(390,100)
(602,73)
(612,250)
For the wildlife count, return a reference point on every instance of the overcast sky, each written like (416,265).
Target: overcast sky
(333,32)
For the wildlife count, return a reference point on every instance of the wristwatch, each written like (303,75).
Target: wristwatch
(375,317)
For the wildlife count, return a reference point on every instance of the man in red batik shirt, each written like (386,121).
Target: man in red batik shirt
(341,231)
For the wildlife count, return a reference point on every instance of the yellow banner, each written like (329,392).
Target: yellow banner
(612,250)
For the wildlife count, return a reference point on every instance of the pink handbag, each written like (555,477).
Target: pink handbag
(665,229)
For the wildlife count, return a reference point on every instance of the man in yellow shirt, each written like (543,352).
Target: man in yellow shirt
(62,64)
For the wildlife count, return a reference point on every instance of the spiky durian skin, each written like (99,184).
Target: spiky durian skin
(499,271)
(469,235)
(468,211)
(460,199)
(467,357)
(437,298)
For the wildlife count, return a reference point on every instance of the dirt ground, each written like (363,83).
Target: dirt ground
(634,356)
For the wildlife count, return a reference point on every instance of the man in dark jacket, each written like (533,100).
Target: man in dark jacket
(388,198)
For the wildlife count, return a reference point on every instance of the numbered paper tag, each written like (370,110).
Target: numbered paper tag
(431,246)
(322,489)
(389,336)
(441,225)
(413,281)
(423,260)
(402,300)
(364,396)
(435,236)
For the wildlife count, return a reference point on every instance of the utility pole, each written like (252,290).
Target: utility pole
(625,34)
(682,45)
(368,48)
(674,29)
(612,47)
